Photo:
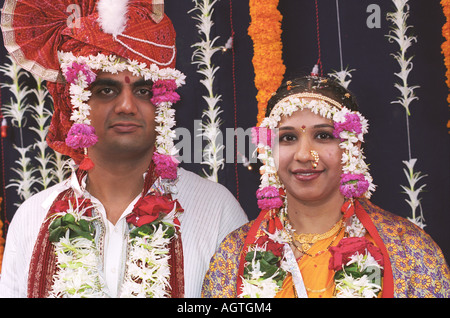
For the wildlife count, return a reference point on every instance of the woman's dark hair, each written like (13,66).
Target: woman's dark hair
(312,84)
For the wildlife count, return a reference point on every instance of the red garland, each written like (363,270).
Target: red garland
(341,253)
(147,209)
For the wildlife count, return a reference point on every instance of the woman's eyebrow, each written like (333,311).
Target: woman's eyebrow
(286,128)
(315,127)
(323,126)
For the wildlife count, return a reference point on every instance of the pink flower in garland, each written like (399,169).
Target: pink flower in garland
(269,198)
(262,135)
(166,166)
(164,91)
(352,124)
(353,185)
(73,73)
(81,136)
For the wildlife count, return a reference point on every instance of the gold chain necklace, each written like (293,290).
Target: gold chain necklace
(304,242)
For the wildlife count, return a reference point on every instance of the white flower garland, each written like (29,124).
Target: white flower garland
(78,262)
(256,286)
(80,94)
(77,258)
(350,127)
(352,158)
(405,41)
(147,267)
(202,56)
(148,270)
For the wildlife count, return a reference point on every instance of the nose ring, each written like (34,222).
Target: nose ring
(315,156)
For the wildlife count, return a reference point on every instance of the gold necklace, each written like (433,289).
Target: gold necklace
(306,241)
(310,290)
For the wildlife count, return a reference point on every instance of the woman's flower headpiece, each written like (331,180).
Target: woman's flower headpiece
(349,126)
(80,72)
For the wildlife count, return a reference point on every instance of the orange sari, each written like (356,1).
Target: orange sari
(317,278)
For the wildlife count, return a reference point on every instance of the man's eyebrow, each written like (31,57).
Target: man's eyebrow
(142,82)
(114,83)
(106,82)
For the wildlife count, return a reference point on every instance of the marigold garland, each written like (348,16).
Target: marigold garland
(265,31)
(446,45)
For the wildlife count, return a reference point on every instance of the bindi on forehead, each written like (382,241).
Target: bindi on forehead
(127,79)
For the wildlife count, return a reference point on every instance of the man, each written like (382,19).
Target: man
(128,222)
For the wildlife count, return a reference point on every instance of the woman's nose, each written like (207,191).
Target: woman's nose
(303,151)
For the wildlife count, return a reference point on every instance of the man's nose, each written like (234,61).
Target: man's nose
(125,102)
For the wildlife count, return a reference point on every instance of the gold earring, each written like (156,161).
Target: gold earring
(315,156)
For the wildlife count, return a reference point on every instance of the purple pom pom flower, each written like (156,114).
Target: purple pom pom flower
(353,185)
(81,136)
(74,71)
(352,123)
(164,91)
(269,198)
(166,166)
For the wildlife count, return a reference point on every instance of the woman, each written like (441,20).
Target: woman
(318,235)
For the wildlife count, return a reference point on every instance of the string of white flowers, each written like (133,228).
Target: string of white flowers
(77,259)
(148,271)
(41,116)
(254,285)
(205,49)
(399,35)
(165,116)
(362,286)
(49,167)
(352,158)
(344,75)
(18,106)
(79,272)
(24,183)
(359,287)
(59,171)
(16,110)
(413,193)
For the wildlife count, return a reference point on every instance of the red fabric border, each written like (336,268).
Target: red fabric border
(388,279)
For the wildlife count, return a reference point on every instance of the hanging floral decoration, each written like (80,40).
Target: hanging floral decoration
(446,45)
(268,256)
(202,56)
(265,31)
(350,127)
(80,73)
(399,34)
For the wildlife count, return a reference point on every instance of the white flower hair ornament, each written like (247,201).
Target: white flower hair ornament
(80,72)
(350,126)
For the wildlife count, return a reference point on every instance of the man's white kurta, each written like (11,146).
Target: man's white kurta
(210,213)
